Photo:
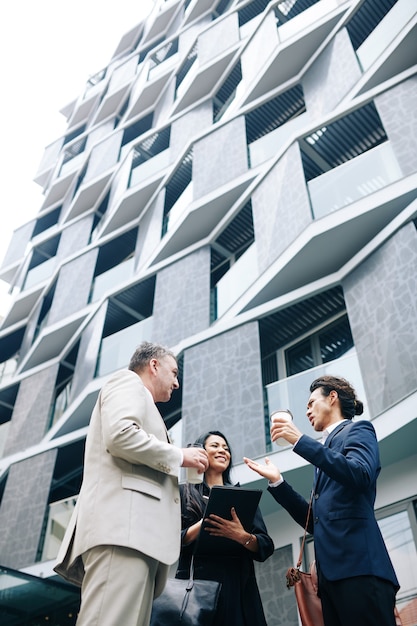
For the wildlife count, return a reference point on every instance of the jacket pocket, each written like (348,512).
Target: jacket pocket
(347,514)
(142,486)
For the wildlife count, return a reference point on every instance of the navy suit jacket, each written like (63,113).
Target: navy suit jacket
(347,538)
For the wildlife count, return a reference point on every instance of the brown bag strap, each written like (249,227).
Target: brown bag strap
(300,558)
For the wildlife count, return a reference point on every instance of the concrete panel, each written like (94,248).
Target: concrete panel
(213,167)
(222,390)
(382,307)
(279,603)
(74,237)
(188,126)
(23,509)
(281,207)
(182,298)
(398,112)
(31,410)
(73,286)
(331,76)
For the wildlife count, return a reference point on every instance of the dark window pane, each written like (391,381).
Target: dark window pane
(299,358)
(335,340)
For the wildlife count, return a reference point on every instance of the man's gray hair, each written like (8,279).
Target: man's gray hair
(145,352)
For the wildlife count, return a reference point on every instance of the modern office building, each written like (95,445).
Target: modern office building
(240,184)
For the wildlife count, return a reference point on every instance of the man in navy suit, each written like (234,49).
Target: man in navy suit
(357,582)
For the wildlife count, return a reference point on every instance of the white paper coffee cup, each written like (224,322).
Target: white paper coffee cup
(192,475)
(283,414)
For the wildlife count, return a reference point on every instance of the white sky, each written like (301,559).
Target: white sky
(48,50)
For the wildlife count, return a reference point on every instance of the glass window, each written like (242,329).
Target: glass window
(299,357)
(323,346)
(397,530)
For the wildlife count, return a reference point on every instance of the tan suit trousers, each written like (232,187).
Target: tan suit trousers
(117,588)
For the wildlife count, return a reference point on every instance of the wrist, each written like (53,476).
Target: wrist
(249,540)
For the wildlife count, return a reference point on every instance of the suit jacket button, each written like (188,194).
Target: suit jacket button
(316,495)
(316,520)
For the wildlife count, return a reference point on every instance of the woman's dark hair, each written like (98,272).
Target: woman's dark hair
(349,403)
(193,493)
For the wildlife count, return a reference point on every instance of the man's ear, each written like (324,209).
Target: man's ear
(333,395)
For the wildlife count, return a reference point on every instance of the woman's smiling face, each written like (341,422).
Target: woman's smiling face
(218,453)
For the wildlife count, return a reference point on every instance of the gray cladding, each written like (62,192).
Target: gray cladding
(330,77)
(382,306)
(281,207)
(222,390)
(32,410)
(23,509)
(73,286)
(104,155)
(74,237)
(214,167)
(189,125)
(279,602)
(398,111)
(182,298)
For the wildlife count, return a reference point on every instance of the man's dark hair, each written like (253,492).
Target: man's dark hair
(349,404)
(145,352)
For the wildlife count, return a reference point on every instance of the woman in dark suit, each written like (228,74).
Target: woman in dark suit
(240,603)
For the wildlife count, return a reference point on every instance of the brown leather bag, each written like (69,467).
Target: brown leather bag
(305,585)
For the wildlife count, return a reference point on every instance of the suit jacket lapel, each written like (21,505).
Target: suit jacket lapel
(327,443)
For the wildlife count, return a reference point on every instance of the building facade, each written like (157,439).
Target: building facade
(240,184)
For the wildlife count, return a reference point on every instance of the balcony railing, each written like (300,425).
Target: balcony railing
(7,369)
(150,167)
(354,180)
(116,349)
(4,432)
(235,282)
(60,405)
(111,279)
(267,146)
(58,517)
(293,392)
(178,209)
(385,33)
(40,273)
(294,18)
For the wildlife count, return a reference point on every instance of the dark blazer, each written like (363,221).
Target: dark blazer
(347,538)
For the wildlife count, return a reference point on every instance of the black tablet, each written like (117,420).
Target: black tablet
(221,500)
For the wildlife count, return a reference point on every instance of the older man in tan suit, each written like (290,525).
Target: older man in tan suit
(125,530)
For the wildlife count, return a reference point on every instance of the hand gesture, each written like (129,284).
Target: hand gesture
(269,470)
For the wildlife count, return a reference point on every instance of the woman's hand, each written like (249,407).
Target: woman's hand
(231,529)
(269,470)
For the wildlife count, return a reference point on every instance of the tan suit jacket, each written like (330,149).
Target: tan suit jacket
(129,496)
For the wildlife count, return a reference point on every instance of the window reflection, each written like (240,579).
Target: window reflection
(398,536)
